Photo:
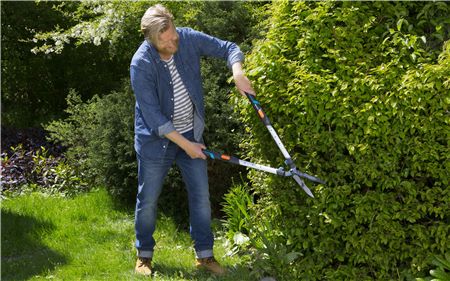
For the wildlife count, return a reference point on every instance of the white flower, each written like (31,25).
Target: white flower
(97,41)
(240,239)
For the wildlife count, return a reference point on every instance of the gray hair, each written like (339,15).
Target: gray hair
(156,20)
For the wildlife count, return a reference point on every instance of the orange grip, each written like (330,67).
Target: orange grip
(261,113)
(225,157)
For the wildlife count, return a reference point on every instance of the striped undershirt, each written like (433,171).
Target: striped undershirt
(183,112)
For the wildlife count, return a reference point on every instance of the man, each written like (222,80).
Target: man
(169,122)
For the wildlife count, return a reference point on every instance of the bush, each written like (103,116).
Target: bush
(442,270)
(29,169)
(236,206)
(254,238)
(98,135)
(30,162)
(358,92)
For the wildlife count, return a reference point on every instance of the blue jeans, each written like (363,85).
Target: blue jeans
(151,174)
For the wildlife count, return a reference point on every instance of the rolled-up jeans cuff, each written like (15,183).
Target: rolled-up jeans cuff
(204,254)
(145,254)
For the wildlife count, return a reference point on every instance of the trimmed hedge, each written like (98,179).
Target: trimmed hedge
(359,93)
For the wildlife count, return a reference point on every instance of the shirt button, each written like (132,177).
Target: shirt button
(171,99)
(164,146)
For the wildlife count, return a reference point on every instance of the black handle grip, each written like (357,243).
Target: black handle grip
(257,106)
(218,156)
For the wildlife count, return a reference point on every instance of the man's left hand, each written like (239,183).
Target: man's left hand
(241,81)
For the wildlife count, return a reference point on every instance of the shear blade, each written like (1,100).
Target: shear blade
(309,177)
(306,176)
(303,185)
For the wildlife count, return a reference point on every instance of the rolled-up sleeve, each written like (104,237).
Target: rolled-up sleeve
(144,89)
(211,46)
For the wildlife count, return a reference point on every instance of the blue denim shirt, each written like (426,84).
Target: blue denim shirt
(152,85)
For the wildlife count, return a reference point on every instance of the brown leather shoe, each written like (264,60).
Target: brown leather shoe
(143,266)
(211,265)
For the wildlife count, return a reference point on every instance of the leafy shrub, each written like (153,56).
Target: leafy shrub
(98,135)
(358,92)
(24,168)
(15,168)
(236,206)
(29,161)
(442,272)
(255,238)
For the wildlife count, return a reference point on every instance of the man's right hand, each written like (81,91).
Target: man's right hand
(195,150)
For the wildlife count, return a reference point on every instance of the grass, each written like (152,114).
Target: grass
(86,238)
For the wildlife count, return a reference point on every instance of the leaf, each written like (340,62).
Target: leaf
(441,274)
(292,256)
(399,24)
(440,262)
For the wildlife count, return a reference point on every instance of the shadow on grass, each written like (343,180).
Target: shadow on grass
(23,253)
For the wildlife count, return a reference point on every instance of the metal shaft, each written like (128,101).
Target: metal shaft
(217,156)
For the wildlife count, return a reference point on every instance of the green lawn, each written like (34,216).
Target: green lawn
(86,238)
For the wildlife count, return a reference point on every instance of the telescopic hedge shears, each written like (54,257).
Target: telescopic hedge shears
(292,172)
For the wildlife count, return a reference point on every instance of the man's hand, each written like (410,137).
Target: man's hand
(243,84)
(195,150)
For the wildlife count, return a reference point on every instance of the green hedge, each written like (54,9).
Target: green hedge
(359,93)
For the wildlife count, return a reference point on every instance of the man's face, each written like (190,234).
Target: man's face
(167,43)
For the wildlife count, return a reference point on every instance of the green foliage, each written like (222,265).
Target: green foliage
(223,131)
(442,270)
(115,24)
(99,137)
(56,176)
(34,86)
(273,256)
(236,206)
(258,240)
(26,171)
(358,92)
